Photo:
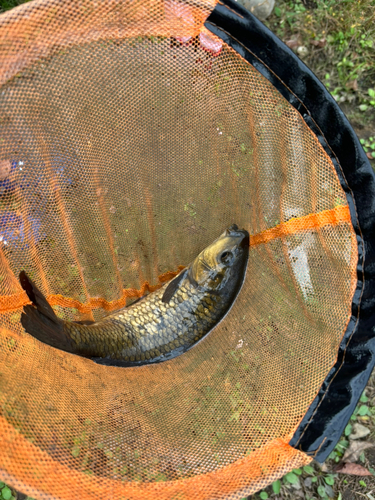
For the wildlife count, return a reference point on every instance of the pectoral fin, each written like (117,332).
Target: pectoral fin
(173,286)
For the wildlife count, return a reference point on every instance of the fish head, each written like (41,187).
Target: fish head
(222,261)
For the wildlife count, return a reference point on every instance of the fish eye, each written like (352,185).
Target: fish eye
(225,257)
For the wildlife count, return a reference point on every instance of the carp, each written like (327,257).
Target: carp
(161,325)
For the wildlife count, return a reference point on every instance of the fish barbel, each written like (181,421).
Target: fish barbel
(162,324)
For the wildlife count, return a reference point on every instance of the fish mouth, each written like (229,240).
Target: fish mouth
(232,228)
(241,234)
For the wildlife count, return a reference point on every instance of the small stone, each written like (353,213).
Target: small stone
(359,431)
(302,51)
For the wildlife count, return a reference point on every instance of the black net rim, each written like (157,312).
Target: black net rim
(324,422)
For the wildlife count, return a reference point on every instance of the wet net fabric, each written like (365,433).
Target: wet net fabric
(130,138)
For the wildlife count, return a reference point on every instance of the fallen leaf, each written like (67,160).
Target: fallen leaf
(319,43)
(355,449)
(363,420)
(352,469)
(353,84)
(369,156)
(292,44)
(307,482)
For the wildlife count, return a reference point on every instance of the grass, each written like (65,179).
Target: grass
(336,39)
(9,4)
(369,147)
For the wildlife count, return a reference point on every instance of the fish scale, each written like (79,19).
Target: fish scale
(177,325)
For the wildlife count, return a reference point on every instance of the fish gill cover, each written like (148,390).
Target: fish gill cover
(142,134)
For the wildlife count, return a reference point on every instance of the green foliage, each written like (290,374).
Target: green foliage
(339,450)
(276,486)
(369,147)
(363,410)
(364,398)
(321,491)
(9,4)
(6,493)
(336,39)
(308,469)
(330,479)
(369,101)
(291,478)
(348,430)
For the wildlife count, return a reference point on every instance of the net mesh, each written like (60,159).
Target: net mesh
(131,137)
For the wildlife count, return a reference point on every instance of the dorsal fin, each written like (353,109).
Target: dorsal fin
(173,287)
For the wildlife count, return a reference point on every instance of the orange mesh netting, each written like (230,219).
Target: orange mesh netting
(131,137)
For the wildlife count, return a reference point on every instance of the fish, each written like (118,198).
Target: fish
(160,325)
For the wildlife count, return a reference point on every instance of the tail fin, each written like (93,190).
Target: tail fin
(40,320)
